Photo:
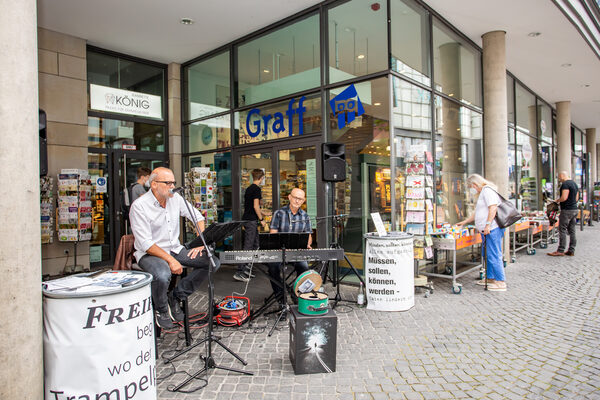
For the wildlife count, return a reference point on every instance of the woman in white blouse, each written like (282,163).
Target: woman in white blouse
(485,222)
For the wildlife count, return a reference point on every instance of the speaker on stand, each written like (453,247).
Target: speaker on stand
(334,170)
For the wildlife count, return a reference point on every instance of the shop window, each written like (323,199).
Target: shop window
(527,172)
(367,187)
(119,73)
(114,134)
(457,66)
(458,154)
(280,63)
(410,40)
(510,99)
(512,177)
(294,117)
(208,134)
(526,113)
(577,142)
(547,171)
(207,87)
(357,39)
(216,203)
(545,122)
(414,161)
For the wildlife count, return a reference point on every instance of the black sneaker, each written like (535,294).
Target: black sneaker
(164,321)
(570,253)
(175,309)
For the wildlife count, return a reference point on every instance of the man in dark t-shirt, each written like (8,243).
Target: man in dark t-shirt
(569,196)
(252,216)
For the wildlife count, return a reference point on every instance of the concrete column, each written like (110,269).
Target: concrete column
(495,120)
(590,137)
(174,99)
(21,375)
(495,117)
(563,132)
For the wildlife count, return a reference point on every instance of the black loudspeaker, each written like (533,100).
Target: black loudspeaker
(334,162)
(43,144)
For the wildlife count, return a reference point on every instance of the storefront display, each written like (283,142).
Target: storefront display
(416,191)
(201,191)
(74,222)
(46,209)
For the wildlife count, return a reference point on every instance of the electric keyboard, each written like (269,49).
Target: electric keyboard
(273,256)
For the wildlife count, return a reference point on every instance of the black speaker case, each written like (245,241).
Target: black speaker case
(313,342)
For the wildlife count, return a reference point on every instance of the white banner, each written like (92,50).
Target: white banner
(100,347)
(109,99)
(389,273)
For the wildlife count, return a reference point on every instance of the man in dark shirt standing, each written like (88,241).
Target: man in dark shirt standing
(252,216)
(569,195)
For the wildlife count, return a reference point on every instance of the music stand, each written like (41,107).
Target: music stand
(213,234)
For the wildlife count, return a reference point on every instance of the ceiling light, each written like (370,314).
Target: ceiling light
(266,71)
(566,65)
(186,21)
(450,94)
(377,104)
(534,34)
(586,85)
(360,56)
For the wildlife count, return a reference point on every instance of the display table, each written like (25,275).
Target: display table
(452,245)
(521,226)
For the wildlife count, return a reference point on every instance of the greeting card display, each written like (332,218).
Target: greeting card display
(417,206)
(46,209)
(201,191)
(74,221)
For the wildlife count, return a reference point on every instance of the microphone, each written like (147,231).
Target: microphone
(176,190)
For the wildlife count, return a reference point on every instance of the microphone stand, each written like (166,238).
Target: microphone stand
(209,362)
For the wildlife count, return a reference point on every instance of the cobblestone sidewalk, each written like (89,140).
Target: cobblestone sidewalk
(538,340)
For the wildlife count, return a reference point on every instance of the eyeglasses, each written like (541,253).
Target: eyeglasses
(297,198)
(168,183)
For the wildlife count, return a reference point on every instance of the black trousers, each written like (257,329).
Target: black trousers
(250,241)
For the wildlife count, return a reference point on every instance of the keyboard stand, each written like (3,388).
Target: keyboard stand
(271,298)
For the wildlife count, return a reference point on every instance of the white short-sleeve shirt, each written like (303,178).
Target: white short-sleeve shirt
(488,197)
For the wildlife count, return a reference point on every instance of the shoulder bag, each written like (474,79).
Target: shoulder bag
(506,212)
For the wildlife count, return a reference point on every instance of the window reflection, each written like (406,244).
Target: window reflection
(457,66)
(458,154)
(410,40)
(280,63)
(526,172)
(525,111)
(367,187)
(357,39)
(210,134)
(207,87)
(111,133)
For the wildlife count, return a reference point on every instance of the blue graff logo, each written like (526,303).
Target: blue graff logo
(346,106)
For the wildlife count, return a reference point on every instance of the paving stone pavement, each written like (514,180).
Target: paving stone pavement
(538,340)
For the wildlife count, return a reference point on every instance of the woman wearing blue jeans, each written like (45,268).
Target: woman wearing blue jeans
(485,222)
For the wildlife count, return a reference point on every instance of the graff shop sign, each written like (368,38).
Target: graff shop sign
(103,98)
(257,123)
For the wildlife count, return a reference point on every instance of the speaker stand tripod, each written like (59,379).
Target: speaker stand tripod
(336,279)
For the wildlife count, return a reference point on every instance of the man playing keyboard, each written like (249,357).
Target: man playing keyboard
(290,218)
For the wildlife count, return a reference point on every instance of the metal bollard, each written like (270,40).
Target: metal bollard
(581,217)
(591,214)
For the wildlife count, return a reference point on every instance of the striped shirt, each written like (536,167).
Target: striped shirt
(285,221)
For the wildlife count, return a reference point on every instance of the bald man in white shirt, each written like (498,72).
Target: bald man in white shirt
(154,221)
